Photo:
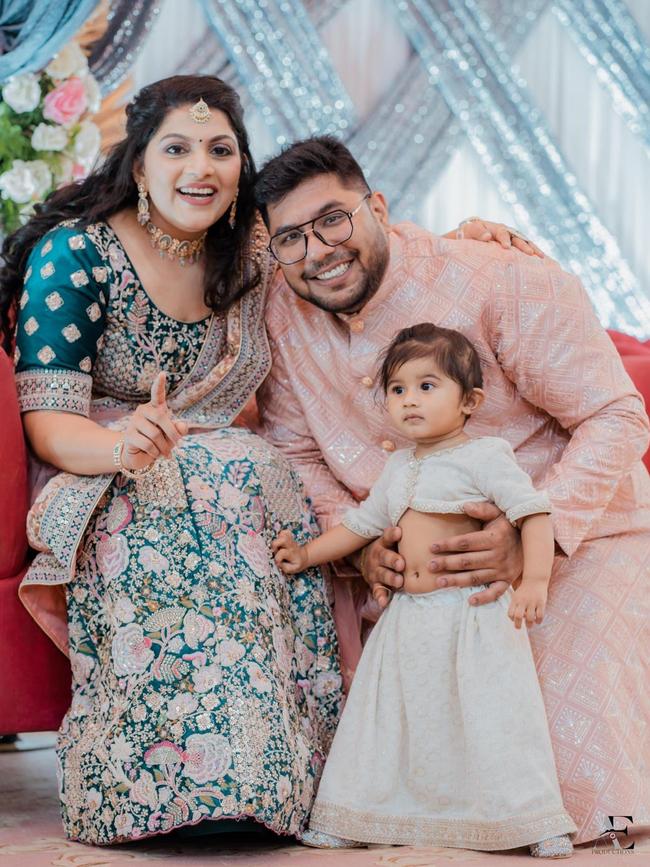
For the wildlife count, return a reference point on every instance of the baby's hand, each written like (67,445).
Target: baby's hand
(528,603)
(289,555)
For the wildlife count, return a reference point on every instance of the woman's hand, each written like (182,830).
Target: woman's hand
(289,555)
(152,431)
(484,230)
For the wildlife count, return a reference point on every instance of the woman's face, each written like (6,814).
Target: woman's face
(191,172)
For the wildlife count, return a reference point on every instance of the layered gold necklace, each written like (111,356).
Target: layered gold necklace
(187,252)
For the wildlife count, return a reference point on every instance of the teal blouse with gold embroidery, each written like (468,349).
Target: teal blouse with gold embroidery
(87,329)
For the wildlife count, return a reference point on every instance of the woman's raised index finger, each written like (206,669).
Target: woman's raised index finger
(158,390)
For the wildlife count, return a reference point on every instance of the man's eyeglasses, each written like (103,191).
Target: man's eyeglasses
(332,229)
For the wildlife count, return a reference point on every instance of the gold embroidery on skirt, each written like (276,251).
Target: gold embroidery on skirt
(163,486)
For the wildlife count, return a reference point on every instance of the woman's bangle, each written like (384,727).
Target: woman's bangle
(117,460)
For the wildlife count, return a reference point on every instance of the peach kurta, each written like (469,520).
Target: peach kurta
(557,391)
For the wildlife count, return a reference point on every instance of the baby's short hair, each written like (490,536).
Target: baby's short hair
(452,351)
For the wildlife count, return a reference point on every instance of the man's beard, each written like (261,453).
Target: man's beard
(370,283)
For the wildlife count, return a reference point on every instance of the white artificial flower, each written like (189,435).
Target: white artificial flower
(87,143)
(49,137)
(63,172)
(68,62)
(26,213)
(93,93)
(22,92)
(26,181)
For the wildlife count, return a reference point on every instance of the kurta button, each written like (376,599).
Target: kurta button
(357,325)
(367,381)
(388,445)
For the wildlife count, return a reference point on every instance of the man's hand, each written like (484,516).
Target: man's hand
(484,230)
(491,556)
(382,566)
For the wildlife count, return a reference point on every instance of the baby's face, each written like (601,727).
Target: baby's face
(423,402)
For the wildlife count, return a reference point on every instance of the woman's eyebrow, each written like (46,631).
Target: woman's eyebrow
(187,138)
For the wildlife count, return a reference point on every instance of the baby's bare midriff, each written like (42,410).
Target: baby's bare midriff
(419,531)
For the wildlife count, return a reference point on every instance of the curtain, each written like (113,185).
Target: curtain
(32,31)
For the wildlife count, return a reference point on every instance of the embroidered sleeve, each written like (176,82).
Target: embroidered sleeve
(372,516)
(502,481)
(549,342)
(60,323)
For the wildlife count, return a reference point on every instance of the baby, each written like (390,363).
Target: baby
(444,739)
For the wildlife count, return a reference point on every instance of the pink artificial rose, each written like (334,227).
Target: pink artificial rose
(67,102)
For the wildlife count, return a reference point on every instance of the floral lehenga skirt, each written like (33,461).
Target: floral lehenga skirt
(205,683)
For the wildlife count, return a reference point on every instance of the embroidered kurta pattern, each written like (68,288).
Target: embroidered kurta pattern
(557,391)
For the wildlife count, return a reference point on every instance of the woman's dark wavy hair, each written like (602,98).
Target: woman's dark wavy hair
(111,187)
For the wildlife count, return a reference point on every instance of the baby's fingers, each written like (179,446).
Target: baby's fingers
(284,561)
(516,613)
(282,540)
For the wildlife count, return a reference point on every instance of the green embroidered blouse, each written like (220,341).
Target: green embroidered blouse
(86,328)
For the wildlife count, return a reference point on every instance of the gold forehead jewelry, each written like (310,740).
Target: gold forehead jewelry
(199,112)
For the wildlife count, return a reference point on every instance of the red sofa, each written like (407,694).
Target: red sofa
(34,674)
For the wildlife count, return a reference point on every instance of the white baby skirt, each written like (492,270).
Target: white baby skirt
(444,739)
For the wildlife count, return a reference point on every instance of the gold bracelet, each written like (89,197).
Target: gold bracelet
(130,474)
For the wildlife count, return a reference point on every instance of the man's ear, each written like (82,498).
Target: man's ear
(379,207)
(472,401)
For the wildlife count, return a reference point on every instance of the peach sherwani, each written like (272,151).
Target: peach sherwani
(557,391)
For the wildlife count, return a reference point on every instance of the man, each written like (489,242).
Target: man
(555,388)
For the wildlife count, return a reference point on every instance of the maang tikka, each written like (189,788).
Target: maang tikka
(199,112)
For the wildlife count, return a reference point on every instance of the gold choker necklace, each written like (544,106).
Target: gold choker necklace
(187,252)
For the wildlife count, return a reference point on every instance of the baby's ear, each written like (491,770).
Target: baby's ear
(473,400)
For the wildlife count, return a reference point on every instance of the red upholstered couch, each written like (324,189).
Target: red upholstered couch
(34,675)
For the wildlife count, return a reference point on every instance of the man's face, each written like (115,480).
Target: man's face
(338,279)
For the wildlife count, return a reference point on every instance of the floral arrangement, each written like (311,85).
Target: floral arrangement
(46,137)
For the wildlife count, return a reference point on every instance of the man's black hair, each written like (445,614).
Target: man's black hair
(302,160)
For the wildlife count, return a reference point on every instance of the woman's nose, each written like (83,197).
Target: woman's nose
(200,164)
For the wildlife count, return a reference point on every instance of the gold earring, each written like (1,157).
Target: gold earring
(233,211)
(143,204)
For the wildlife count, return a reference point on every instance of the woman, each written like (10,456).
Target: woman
(204,685)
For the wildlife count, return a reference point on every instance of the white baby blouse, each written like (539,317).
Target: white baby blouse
(479,470)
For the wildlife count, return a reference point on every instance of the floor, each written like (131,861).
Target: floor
(31,835)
